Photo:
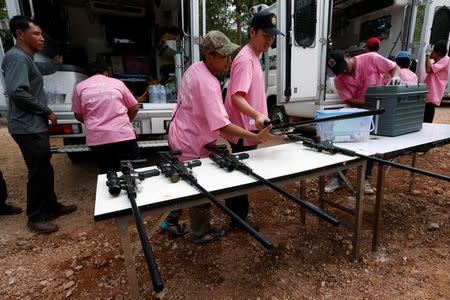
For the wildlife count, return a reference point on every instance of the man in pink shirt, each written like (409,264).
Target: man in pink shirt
(198,120)
(403,60)
(105,106)
(372,45)
(437,78)
(353,76)
(245,101)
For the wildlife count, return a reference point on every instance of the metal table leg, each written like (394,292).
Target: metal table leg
(303,197)
(122,228)
(358,211)
(321,192)
(378,206)
(412,174)
(155,226)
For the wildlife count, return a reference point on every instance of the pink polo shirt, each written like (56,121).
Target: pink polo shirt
(104,103)
(437,81)
(199,114)
(368,68)
(408,77)
(246,76)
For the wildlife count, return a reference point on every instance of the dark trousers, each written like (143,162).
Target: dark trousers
(239,204)
(199,217)
(41,198)
(367,174)
(428,114)
(3,190)
(108,156)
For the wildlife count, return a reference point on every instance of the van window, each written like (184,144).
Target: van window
(305,20)
(441,25)
(364,7)
(25,7)
(377,27)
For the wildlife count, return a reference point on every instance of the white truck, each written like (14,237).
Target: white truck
(136,37)
(296,75)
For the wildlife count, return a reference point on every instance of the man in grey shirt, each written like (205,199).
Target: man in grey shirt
(28,116)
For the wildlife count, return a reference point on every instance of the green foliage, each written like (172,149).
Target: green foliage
(3,13)
(232,17)
(5,35)
(7,39)
(419,23)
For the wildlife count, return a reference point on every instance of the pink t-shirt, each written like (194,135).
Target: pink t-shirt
(199,114)
(246,76)
(437,81)
(368,68)
(104,104)
(408,77)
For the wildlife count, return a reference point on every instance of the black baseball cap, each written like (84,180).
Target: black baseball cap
(336,61)
(266,21)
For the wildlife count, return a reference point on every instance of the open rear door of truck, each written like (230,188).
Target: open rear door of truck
(436,27)
(301,53)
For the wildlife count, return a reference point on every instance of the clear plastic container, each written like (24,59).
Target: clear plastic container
(350,130)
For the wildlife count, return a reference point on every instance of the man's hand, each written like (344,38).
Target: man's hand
(58,58)
(264,135)
(52,118)
(259,121)
(428,50)
(395,81)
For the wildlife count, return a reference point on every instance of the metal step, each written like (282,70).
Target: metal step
(84,148)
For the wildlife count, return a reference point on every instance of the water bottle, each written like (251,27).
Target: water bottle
(163,95)
(153,94)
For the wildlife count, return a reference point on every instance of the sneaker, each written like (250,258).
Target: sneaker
(8,209)
(368,190)
(43,226)
(173,229)
(62,211)
(333,185)
(212,235)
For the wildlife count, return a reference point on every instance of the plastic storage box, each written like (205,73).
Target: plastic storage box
(349,130)
(404,107)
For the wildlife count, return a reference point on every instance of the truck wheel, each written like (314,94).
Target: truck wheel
(278,113)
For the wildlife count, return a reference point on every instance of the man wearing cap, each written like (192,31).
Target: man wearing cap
(198,119)
(245,101)
(372,45)
(353,76)
(437,66)
(403,60)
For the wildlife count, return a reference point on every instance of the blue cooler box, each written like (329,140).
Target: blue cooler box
(349,130)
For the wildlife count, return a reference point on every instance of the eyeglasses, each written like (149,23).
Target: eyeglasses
(220,56)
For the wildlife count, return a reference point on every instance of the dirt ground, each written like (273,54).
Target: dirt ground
(84,260)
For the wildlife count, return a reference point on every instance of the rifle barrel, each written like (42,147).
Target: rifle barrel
(309,143)
(252,231)
(312,208)
(404,167)
(158,285)
(334,118)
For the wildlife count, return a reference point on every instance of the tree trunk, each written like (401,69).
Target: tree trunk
(238,5)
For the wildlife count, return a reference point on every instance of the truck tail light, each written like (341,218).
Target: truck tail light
(64,129)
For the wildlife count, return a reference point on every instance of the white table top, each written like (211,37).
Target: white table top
(276,162)
(384,145)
